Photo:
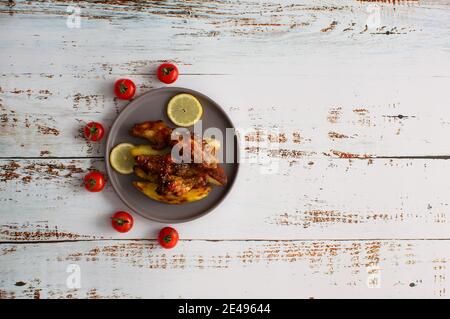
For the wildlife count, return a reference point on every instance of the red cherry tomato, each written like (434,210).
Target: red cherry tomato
(168,237)
(94,182)
(94,131)
(122,221)
(124,89)
(167,73)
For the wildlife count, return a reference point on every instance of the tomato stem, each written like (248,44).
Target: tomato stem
(167,70)
(167,238)
(122,87)
(92,182)
(93,130)
(120,221)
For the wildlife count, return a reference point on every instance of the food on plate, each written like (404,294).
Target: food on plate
(167,73)
(203,151)
(153,191)
(184,110)
(168,237)
(156,132)
(213,143)
(163,165)
(175,183)
(148,150)
(122,221)
(121,158)
(94,182)
(94,131)
(124,89)
(217,177)
(147,176)
(167,179)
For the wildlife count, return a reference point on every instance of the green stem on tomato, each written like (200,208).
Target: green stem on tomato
(120,221)
(123,88)
(167,70)
(93,130)
(92,182)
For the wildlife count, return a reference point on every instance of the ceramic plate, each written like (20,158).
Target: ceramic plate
(150,107)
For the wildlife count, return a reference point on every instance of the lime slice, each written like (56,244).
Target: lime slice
(121,159)
(184,110)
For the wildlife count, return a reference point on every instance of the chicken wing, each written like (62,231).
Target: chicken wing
(178,178)
(169,177)
(157,132)
(201,151)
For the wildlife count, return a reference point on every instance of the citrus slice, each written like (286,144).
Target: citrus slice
(121,159)
(184,110)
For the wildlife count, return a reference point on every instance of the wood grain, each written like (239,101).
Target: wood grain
(322,198)
(376,117)
(226,37)
(343,127)
(289,269)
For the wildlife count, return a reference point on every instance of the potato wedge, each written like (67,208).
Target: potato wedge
(149,189)
(213,181)
(147,150)
(149,177)
(217,176)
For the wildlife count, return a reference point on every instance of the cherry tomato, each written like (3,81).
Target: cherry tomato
(94,131)
(94,182)
(168,237)
(167,73)
(124,89)
(122,221)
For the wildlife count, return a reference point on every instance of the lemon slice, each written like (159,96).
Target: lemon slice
(184,110)
(121,159)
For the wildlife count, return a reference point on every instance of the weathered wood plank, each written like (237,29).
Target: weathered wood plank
(344,95)
(41,115)
(227,37)
(305,199)
(289,269)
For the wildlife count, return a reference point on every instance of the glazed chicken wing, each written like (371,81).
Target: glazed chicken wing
(169,179)
(178,186)
(163,165)
(201,151)
(173,179)
(157,132)
(179,178)
(216,175)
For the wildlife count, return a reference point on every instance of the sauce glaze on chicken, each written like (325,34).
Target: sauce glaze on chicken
(175,178)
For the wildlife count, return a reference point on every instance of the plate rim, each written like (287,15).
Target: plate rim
(109,169)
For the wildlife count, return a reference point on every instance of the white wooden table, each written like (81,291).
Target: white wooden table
(357,93)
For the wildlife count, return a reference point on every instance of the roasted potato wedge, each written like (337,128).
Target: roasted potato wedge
(149,177)
(149,189)
(147,150)
(214,181)
(217,176)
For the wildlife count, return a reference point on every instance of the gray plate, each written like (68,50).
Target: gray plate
(150,107)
